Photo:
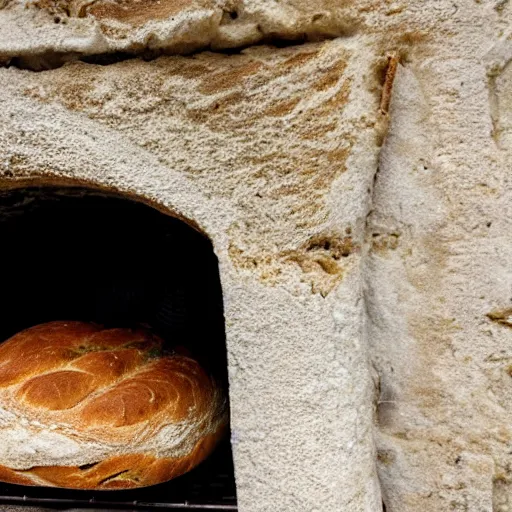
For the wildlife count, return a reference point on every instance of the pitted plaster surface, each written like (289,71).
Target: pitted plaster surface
(335,265)
(92,27)
(439,275)
(283,195)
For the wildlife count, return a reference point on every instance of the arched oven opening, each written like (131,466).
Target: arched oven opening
(78,254)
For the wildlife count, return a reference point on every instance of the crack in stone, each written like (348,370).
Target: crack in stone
(49,60)
(387,89)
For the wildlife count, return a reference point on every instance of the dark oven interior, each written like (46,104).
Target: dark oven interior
(76,254)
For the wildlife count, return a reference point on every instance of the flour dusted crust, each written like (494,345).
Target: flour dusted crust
(88,408)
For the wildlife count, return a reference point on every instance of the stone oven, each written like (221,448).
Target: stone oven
(282,198)
(117,263)
(319,192)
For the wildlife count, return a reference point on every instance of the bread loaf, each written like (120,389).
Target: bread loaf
(87,408)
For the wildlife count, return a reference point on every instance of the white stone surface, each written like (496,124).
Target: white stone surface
(441,262)
(253,150)
(283,196)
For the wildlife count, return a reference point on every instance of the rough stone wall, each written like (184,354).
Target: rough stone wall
(340,260)
(439,273)
(272,153)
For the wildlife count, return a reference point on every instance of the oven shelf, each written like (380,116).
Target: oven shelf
(110,505)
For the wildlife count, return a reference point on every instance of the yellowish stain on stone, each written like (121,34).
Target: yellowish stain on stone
(273,122)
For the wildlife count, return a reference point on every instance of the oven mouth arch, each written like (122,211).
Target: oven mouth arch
(36,181)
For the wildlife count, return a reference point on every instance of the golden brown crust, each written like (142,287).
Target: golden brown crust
(123,472)
(11,476)
(108,387)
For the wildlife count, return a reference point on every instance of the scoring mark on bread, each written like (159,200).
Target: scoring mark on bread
(112,477)
(85,467)
(98,363)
